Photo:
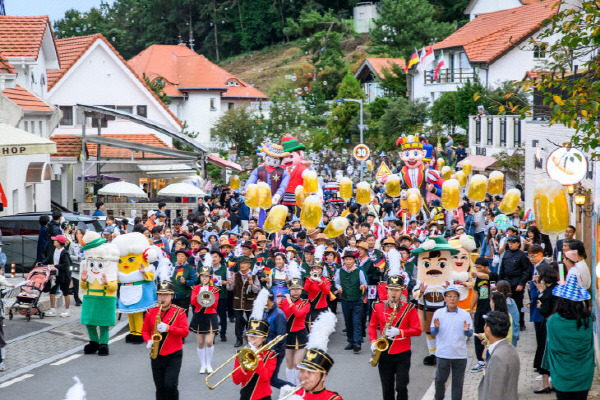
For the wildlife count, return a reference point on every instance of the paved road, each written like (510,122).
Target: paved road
(126,374)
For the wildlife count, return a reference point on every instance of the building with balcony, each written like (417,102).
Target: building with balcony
(492,134)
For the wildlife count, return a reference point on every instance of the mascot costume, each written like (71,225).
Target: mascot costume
(296,166)
(99,281)
(136,275)
(463,265)
(434,272)
(414,174)
(272,173)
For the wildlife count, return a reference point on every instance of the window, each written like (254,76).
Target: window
(26,126)
(142,111)
(213,103)
(41,127)
(127,109)
(67,117)
(539,50)
(232,83)
(230,106)
(32,126)
(464,61)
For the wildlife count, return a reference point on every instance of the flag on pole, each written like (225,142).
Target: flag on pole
(440,64)
(414,59)
(421,65)
(427,58)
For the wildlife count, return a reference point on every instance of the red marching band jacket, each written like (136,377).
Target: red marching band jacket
(321,395)
(318,292)
(256,384)
(178,328)
(296,313)
(194,301)
(410,326)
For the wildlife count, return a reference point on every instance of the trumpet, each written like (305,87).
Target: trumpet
(292,392)
(206,299)
(247,358)
(315,275)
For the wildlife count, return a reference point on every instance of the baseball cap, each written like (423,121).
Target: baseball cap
(514,239)
(151,213)
(161,215)
(108,230)
(450,288)
(60,239)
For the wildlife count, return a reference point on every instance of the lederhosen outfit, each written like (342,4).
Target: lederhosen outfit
(394,364)
(296,314)
(166,366)
(205,319)
(318,294)
(256,385)
(243,299)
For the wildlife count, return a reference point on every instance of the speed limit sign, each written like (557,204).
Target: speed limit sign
(361,152)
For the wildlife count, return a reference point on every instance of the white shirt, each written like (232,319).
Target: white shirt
(493,346)
(451,341)
(582,272)
(57,254)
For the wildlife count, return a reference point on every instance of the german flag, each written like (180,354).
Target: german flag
(380,263)
(414,59)
(230,264)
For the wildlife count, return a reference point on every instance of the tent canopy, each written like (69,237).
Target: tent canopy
(123,189)
(17,142)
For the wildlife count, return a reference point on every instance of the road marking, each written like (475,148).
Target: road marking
(15,380)
(117,338)
(66,360)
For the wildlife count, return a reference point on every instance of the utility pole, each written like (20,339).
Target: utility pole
(191,40)
(360,127)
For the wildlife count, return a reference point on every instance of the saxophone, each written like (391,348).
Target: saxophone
(382,344)
(156,337)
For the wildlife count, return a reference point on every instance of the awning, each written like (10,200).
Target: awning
(222,163)
(37,172)
(17,142)
(478,163)
(175,169)
(101,177)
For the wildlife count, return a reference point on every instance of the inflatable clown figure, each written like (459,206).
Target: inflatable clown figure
(136,275)
(434,273)
(414,174)
(99,281)
(463,265)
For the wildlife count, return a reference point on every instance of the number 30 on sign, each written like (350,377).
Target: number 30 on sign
(361,152)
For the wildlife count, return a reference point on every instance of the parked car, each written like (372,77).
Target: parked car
(102,221)
(20,235)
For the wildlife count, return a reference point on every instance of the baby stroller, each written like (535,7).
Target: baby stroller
(29,296)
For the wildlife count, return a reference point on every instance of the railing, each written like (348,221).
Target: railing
(459,75)
(496,131)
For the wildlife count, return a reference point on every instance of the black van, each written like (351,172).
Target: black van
(20,235)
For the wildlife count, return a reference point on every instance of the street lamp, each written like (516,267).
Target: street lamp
(360,126)
(579,197)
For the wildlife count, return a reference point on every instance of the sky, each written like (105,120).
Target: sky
(55,9)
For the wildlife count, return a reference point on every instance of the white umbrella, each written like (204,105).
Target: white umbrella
(181,189)
(123,189)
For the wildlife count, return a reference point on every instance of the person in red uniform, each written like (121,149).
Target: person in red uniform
(316,363)
(173,328)
(205,321)
(394,364)
(296,310)
(318,288)
(256,384)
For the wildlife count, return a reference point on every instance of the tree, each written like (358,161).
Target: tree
(342,122)
(238,129)
(402,116)
(451,10)
(157,87)
(394,81)
(445,111)
(404,25)
(512,165)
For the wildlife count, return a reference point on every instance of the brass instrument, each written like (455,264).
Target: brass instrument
(315,275)
(382,344)
(156,337)
(247,358)
(291,393)
(206,298)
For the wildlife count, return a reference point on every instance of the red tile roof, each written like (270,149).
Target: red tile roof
(490,35)
(183,69)
(378,64)
(22,36)
(25,99)
(116,152)
(67,145)
(6,67)
(535,74)
(71,49)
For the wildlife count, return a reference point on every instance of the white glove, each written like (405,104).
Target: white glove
(276,198)
(149,344)
(373,345)
(392,332)
(162,327)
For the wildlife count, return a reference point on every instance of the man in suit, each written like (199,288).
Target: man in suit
(501,378)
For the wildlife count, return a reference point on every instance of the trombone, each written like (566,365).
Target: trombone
(247,358)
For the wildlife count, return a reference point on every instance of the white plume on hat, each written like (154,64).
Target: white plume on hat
(76,392)
(319,252)
(207,260)
(293,270)
(164,269)
(260,303)
(467,242)
(324,325)
(394,262)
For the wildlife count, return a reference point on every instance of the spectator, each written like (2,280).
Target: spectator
(59,259)
(162,219)
(536,256)
(278,323)
(481,304)
(111,222)
(532,236)
(585,279)
(480,112)
(479,221)
(184,277)
(570,262)
(2,258)
(501,378)
(451,327)
(489,249)
(234,218)
(53,231)
(42,238)
(517,270)
(151,222)
(571,328)
(504,288)
(460,153)
(76,255)
(99,210)
(244,286)
(448,150)
(568,235)
(201,206)
(4,283)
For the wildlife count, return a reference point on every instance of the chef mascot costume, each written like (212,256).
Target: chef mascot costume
(136,275)
(462,268)
(99,282)
(434,272)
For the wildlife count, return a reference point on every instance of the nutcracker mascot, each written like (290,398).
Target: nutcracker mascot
(461,270)
(136,275)
(434,273)
(414,174)
(272,173)
(296,166)
(99,281)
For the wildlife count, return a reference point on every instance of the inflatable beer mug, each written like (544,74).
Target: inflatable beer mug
(392,186)
(312,212)
(336,227)
(510,202)
(345,189)
(477,188)
(299,194)
(363,193)
(264,195)
(234,182)
(466,167)
(369,165)
(462,178)
(251,199)
(446,172)
(550,207)
(414,200)
(496,183)
(450,194)
(309,181)
(440,164)
(276,218)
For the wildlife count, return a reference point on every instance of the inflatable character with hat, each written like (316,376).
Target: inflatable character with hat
(461,270)
(295,165)
(434,272)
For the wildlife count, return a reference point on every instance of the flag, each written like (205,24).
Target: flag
(413,60)
(439,65)
(426,58)
(422,57)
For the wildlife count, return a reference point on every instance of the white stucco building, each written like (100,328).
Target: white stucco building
(370,73)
